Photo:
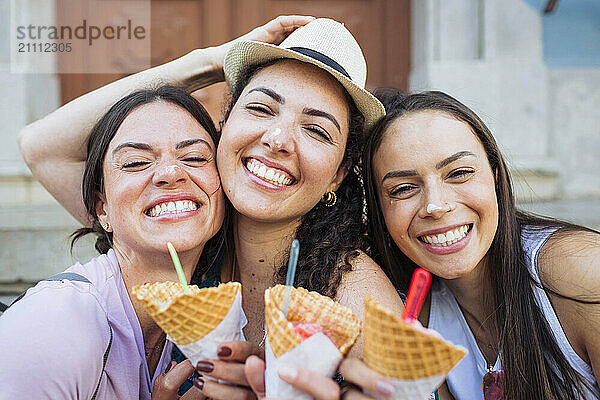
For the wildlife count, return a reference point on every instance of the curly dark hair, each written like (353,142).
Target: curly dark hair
(329,237)
(97,145)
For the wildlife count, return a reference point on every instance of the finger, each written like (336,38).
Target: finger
(239,351)
(218,391)
(167,384)
(357,372)
(255,375)
(277,29)
(288,22)
(230,371)
(318,386)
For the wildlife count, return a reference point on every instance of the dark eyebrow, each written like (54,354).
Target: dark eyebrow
(133,145)
(269,92)
(441,164)
(453,158)
(318,113)
(399,174)
(189,142)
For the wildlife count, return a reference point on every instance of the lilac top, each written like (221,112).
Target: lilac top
(52,341)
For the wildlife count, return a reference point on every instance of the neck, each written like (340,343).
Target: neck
(473,294)
(152,266)
(261,247)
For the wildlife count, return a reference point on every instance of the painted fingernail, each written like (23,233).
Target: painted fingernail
(224,351)
(287,371)
(199,383)
(169,366)
(205,366)
(385,388)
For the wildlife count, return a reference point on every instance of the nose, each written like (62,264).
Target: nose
(278,140)
(435,204)
(169,174)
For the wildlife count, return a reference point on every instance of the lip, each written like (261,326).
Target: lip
(453,248)
(270,164)
(263,183)
(443,230)
(173,197)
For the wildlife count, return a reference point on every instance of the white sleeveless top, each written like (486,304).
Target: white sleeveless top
(465,380)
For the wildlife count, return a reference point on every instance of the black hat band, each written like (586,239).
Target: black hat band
(322,58)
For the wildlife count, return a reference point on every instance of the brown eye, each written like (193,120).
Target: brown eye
(260,109)
(402,190)
(460,173)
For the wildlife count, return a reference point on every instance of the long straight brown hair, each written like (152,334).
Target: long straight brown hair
(533,364)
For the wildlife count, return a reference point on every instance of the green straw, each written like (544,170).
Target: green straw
(178,268)
(291,274)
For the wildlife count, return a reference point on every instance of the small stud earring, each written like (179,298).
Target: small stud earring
(329,199)
(106,226)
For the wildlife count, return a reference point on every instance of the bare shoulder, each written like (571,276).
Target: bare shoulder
(569,264)
(366,278)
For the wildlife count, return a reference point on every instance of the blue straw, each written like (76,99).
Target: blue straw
(291,274)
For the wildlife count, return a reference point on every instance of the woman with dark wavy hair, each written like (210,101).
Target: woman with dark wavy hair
(287,157)
(519,291)
(79,332)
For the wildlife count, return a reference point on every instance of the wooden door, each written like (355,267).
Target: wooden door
(382,27)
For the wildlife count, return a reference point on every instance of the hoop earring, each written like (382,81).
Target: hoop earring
(329,199)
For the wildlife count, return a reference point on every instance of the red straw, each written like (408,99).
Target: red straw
(419,286)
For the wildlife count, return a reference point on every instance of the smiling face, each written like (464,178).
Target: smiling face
(161,181)
(436,191)
(283,143)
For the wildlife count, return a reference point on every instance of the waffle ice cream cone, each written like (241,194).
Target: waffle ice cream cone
(401,351)
(340,324)
(187,318)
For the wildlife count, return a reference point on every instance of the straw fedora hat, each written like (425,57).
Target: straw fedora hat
(322,42)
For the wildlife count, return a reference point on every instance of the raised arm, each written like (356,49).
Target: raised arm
(54,147)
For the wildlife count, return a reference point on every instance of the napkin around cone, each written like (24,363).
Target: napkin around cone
(415,361)
(321,352)
(187,317)
(338,321)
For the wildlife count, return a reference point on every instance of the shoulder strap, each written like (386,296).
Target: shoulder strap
(72,276)
(69,276)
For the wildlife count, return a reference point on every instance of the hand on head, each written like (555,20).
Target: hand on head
(272,32)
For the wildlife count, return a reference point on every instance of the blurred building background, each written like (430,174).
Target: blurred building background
(530,68)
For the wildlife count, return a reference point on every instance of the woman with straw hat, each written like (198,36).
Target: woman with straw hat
(289,146)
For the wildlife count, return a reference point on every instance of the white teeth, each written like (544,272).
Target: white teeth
(447,238)
(271,175)
(172,207)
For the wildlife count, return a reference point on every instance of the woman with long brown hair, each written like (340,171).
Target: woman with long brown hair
(519,291)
